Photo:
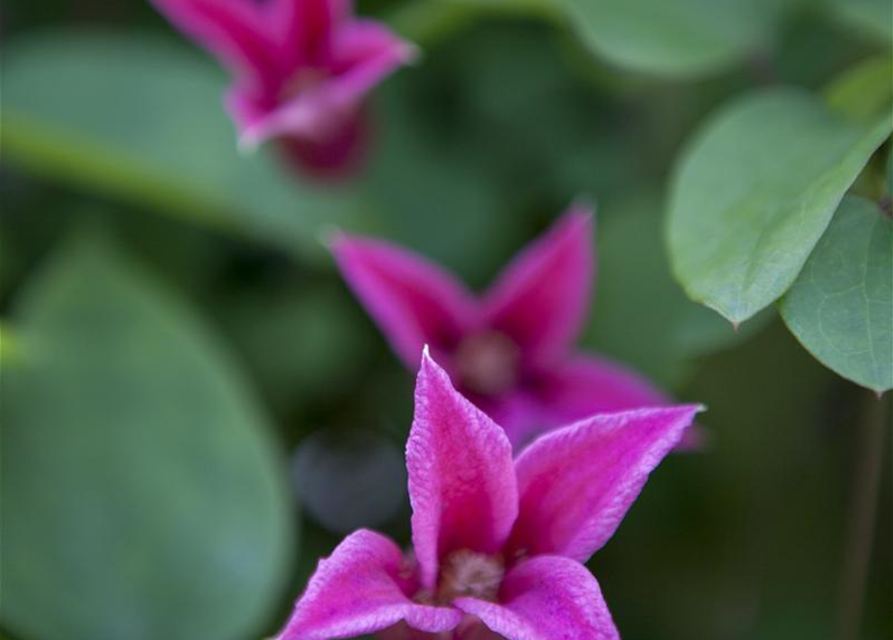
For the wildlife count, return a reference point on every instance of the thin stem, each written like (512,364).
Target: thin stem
(860,534)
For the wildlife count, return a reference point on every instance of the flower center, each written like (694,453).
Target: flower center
(469,574)
(487,362)
(301,81)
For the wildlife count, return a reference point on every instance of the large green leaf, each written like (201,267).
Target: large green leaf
(672,37)
(142,118)
(841,306)
(754,192)
(142,496)
(641,316)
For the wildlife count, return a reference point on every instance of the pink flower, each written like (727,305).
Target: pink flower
(498,545)
(301,70)
(508,351)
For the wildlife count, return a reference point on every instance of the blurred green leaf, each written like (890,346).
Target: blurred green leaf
(429,22)
(678,38)
(349,479)
(640,315)
(142,119)
(841,306)
(755,190)
(872,17)
(9,347)
(143,498)
(303,345)
(890,171)
(863,91)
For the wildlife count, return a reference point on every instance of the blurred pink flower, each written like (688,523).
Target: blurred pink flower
(498,545)
(301,70)
(508,351)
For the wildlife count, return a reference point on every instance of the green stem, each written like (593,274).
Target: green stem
(860,534)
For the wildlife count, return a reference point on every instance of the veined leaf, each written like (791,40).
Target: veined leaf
(755,190)
(841,306)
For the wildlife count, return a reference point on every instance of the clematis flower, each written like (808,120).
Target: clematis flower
(509,350)
(498,545)
(301,70)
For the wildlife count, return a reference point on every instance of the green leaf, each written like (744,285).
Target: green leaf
(873,17)
(142,119)
(142,496)
(635,287)
(863,91)
(755,190)
(841,306)
(678,38)
(890,171)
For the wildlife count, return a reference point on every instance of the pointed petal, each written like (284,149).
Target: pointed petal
(585,385)
(363,54)
(461,478)
(577,483)
(413,301)
(305,28)
(546,598)
(356,591)
(233,31)
(542,297)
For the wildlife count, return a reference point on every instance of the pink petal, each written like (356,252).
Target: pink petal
(542,297)
(233,31)
(413,301)
(577,483)
(357,590)
(461,478)
(518,413)
(363,54)
(305,28)
(547,598)
(585,385)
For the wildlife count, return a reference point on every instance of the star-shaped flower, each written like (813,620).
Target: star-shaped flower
(498,545)
(509,350)
(301,70)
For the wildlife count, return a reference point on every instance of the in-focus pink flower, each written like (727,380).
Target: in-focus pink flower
(498,545)
(508,351)
(301,70)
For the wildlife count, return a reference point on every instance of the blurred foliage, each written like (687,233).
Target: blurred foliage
(146,479)
(137,469)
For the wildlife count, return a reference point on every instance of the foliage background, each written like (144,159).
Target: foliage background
(195,409)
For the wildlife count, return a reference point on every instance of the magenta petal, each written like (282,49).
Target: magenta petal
(363,53)
(413,301)
(546,598)
(462,482)
(577,483)
(542,297)
(356,591)
(233,31)
(305,27)
(585,385)
(518,413)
